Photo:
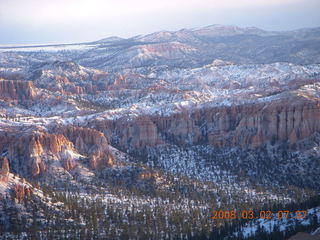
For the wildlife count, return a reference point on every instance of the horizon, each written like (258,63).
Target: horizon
(148,33)
(69,22)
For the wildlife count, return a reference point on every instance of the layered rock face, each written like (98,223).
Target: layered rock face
(17,91)
(67,145)
(247,126)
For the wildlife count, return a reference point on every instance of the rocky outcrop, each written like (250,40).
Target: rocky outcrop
(21,192)
(5,169)
(17,91)
(92,143)
(34,147)
(131,134)
(31,150)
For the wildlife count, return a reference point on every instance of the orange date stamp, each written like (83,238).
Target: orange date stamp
(249,214)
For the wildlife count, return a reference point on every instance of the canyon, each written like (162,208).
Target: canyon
(185,121)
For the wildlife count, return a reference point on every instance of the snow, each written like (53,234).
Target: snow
(11,181)
(69,153)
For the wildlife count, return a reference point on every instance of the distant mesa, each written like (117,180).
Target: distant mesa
(111,39)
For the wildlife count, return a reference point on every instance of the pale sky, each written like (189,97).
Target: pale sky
(67,21)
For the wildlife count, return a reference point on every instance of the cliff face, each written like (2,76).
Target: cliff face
(18,91)
(32,148)
(131,134)
(66,145)
(247,126)
(138,134)
(254,125)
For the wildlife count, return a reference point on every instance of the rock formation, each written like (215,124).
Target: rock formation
(20,192)
(66,144)
(92,143)
(5,169)
(17,91)
(247,125)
